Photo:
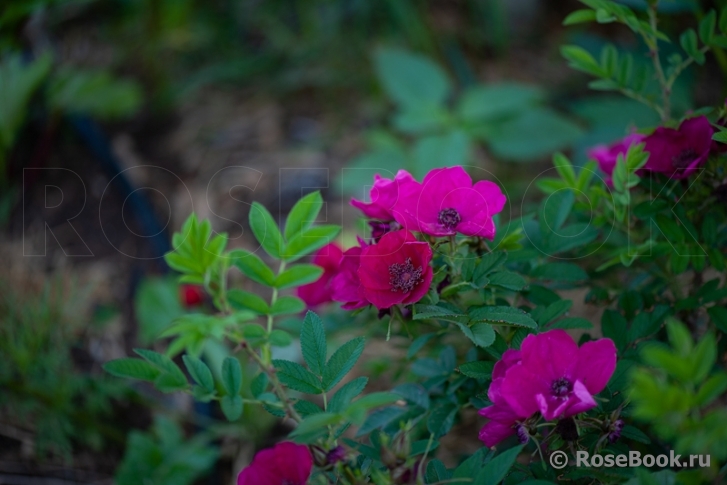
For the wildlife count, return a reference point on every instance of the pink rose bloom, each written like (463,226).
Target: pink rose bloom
(556,377)
(284,464)
(607,156)
(321,291)
(675,153)
(678,153)
(396,270)
(447,203)
(346,284)
(384,195)
(503,421)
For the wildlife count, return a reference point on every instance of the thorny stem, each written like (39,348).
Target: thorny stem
(277,386)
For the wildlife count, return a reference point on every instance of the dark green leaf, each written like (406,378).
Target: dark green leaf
(313,343)
(343,397)
(341,362)
(199,372)
(507,280)
(231,376)
(559,272)
(441,419)
(477,370)
(496,470)
(297,377)
(502,314)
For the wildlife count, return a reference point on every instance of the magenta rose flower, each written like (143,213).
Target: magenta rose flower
(447,203)
(384,195)
(556,377)
(321,291)
(503,420)
(678,153)
(675,153)
(607,155)
(346,284)
(396,270)
(285,464)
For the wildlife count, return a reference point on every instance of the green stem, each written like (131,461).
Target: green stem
(265,350)
(653,43)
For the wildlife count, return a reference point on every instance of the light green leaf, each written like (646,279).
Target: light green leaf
(232,407)
(310,240)
(303,214)
(132,369)
(287,305)
(252,266)
(298,275)
(244,300)
(266,230)
(199,372)
(411,80)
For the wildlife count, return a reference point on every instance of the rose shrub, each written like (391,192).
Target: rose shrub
(480,301)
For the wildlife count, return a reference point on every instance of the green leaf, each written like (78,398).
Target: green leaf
(343,397)
(199,372)
(313,343)
(341,362)
(707,27)
(303,214)
(718,315)
(421,119)
(571,323)
(689,43)
(477,370)
(555,209)
(581,60)
(483,335)
(435,151)
(156,306)
(312,426)
(244,300)
(162,362)
(411,80)
(287,305)
(370,401)
(712,388)
(559,272)
(280,338)
(507,280)
(554,310)
(548,131)
(723,20)
(312,239)
(298,275)
(379,419)
(495,471)
(441,419)
(266,230)
(495,101)
(720,136)
(297,377)
(615,327)
(231,376)
(632,433)
(96,93)
(231,407)
(414,394)
(502,314)
(488,263)
(580,16)
(565,169)
(252,266)
(132,369)
(469,468)
(423,312)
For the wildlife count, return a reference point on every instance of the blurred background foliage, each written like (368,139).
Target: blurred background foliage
(195,87)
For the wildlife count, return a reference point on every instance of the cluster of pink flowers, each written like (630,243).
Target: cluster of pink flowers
(394,268)
(677,153)
(549,375)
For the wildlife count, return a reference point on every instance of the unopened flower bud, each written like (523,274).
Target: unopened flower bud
(615,431)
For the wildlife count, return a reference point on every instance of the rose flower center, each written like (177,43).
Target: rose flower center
(404,276)
(449,218)
(561,387)
(683,160)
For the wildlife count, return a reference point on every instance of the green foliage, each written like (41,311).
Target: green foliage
(64,408)
(676,393)
(164,457)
